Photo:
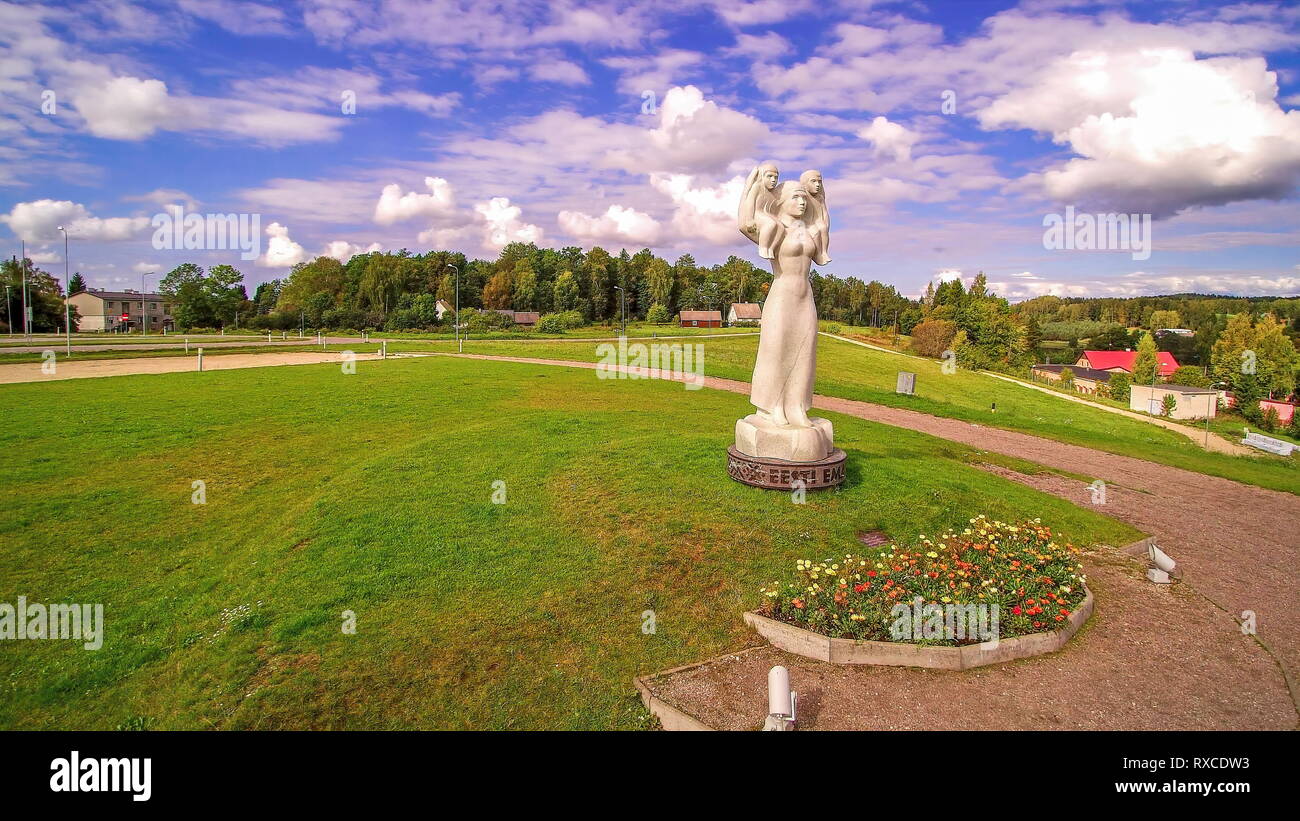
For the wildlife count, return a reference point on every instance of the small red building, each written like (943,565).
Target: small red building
(700,319)
(1116,361)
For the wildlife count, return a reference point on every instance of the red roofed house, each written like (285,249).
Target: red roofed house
(700,319)
(1122,361)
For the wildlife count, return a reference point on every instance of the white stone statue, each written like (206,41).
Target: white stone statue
(794,222)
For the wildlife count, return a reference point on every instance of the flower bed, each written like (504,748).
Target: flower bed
(1029,582)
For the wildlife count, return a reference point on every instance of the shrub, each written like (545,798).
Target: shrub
(1189,375)
(658,315)
(933,337)
(1268,420)
(550,324)
(1121,386)
(834,328)
(1067,379)
(480,321)
(402,319)
(1034,581)
(1168,405)
(558,323)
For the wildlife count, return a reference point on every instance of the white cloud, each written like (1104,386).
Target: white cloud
(890,138)
(164,197)
(38,221)
(146,267)
(342,250)
(503,225)
(1141,283)
(239,17)
(766,46)
(394,206)
(559,71)
(758,12)
(617,224)
(653,72)
(124,108)
(707,213)
(1159,131)
(695,134)
(281,251)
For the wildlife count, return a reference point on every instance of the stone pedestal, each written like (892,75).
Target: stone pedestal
(776,456)
(758,437)
(778,474)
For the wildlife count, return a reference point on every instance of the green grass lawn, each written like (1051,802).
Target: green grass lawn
(854,372)
(372,493)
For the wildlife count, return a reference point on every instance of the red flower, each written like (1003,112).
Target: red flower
(1016,610)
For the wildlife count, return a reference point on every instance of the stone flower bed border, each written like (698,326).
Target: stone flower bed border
(812,645)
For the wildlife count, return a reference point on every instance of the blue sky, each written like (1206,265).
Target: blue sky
(478,124)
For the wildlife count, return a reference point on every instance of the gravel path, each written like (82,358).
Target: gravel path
(90,368)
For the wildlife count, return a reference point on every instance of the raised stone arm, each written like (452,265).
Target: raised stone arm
(745,219)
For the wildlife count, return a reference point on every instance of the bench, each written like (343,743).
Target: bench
(1268,443)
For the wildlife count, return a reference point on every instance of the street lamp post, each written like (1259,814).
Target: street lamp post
(9,311)
(67,310)
(27,330)
(460,345)
(622,298)
(144,318)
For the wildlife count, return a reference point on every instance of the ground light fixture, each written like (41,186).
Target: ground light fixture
(781,701)
(1164,569)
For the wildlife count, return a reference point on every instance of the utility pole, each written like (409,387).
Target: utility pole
(67,310)
(144,320)
(460,345)
(27,330)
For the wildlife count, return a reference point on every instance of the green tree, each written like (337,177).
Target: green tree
(1165,319)
(497,293)
(1114,338)
(658,315)
(1120,386)
(76,284)
(1144,366)
(225,292)
(566,293)
(45,297)
(525,286)
(1189,375)
(1168,404)
(323,274)
(660,279)
(1276,357)
(1067,379)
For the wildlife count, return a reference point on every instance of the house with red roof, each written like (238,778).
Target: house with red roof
(1122,361)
